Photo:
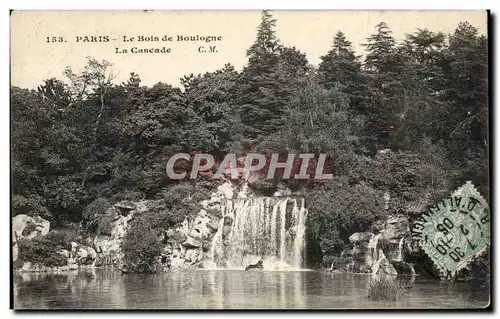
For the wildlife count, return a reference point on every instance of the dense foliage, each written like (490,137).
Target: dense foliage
(410,121)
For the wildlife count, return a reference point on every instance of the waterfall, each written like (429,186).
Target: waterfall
(400,250)
(254,228)
(375,252)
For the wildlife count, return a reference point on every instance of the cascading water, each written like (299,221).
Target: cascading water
(254,228)
(400,249)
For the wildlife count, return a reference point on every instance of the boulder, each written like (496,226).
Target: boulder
(201,229)
(378,250)
(360,237)
(26,266)
(64,253)
(184,229)
(27,227)
(258,266)
(177,259)
(213,224)
(225,191)
(36,226)
(82,255)
(383,267)
(282,190)
(396,227)
(125,207)
(193,256)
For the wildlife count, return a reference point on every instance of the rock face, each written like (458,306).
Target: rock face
(26,227)
(109,248)
(80,256)
(380,251)
(187,245)
(83,255)
(184,246)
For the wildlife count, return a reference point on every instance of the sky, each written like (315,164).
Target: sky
(35,58)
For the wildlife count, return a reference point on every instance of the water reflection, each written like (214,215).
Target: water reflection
(229,289)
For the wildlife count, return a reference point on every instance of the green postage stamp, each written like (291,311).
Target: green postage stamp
(455,230)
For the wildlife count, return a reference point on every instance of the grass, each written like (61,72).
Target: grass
(384,288)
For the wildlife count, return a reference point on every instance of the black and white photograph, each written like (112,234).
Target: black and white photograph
(250,159)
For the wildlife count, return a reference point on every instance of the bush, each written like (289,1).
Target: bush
(41,251)
(140,246)
(95,209)
(98,218)
(31,205)
(177,202)
(337,210)
(105,225)
(385,288)
(18,264)
(127,195)
(62,238)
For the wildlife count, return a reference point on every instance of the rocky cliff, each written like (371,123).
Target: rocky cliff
(32,251)
(380,251)
(183,246)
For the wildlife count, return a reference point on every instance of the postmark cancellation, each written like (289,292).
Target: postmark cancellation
(456,230)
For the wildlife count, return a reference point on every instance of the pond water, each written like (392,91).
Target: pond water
(230,289)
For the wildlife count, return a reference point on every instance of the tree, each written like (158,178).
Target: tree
(264,51)
(209,96)
(382,62)
(342,66)
(419,90)
(467,82)
(259,104)
(48,154)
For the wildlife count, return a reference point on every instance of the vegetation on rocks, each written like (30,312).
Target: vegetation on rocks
(42,251)
(140,246)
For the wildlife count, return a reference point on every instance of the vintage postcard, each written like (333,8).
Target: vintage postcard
(250,160)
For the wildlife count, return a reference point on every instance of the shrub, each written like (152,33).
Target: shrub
(41,251)
(18,264)
(385,288)
(175,205)
(338,209)
(31,205)
(95,209)
(140,246)
(98,218)
(127,195)
(62,238)
(105,224)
